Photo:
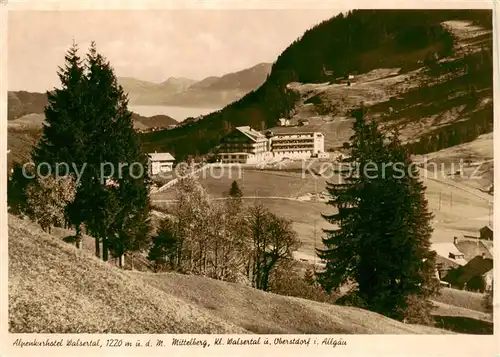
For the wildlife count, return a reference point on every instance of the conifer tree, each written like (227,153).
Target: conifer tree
(235,191)
(90,130)
(64,138)
(384,232)
(165,246)
(120,214)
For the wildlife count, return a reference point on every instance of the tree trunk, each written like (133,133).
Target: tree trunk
(105,252)
(121,261)
(97,248)
(78,236)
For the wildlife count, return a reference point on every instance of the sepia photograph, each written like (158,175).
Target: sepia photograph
(249,172)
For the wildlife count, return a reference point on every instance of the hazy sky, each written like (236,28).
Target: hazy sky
(151,45)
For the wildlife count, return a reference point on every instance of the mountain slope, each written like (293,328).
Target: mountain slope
(148,93)
(55,288)
(25,131)
(245,80)
(77,293)
(431,60)
(211,92)
(21,103)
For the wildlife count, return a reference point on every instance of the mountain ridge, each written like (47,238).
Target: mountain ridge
(212,91)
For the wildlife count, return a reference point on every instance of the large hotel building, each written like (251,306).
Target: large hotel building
(247,146)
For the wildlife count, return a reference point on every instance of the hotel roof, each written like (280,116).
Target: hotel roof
(280,130)
(251,133)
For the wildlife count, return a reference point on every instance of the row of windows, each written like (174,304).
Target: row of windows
(294,147)
(234,156)
(293,137)
(250,151)
(292,141)
(234,161)
(291,152)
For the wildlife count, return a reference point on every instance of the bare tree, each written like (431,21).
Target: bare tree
(273,241)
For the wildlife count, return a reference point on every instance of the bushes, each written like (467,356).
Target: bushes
(48,198)
(288,280)
(488,300)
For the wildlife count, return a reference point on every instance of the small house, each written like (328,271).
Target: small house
(283,122)
(486,233)
(476,275)
(450,251)
(160,162)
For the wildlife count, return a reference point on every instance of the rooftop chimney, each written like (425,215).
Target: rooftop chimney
(455,240)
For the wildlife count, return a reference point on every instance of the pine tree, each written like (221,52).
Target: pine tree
(235,191)
(64,138)
(384,232)
(309,276)
(165,246)
(91,131)
(120,214)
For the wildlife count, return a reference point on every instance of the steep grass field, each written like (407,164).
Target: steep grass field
(417,101)
(55,288)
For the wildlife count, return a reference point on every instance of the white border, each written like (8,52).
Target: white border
(358,345)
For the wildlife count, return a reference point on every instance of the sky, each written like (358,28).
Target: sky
(151,45)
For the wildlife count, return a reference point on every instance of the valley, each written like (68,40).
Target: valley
(425,77)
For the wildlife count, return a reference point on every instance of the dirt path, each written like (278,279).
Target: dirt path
(244,198)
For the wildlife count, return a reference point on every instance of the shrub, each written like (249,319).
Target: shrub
(48,198)
(289,281)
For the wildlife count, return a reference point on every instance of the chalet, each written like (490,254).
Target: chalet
(476,275)
(159,162)
(474,247)
(486,233)
(244,145)
(450,251)
(448,258)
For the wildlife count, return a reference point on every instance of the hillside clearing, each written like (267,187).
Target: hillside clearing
(55,288)
(262,312)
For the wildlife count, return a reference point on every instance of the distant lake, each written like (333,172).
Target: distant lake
(178,113)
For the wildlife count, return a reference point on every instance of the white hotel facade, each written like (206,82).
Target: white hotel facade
(297,145)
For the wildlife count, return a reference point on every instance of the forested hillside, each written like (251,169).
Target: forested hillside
(359,41)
